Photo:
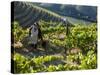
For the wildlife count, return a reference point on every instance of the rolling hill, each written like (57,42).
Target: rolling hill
(26,13)
(87,13)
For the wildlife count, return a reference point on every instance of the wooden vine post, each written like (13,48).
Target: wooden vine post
(67,34)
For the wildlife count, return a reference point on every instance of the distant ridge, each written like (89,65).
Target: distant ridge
(88,13)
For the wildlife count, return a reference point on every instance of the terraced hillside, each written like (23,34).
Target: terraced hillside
(26,14)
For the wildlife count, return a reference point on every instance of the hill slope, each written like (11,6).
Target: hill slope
(26,14)
(76,11)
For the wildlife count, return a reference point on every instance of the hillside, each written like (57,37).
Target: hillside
(87,13)
(32,12)
(26,14)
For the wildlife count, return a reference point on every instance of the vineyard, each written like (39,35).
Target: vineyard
(76,51)
(29,13)
(68,46)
